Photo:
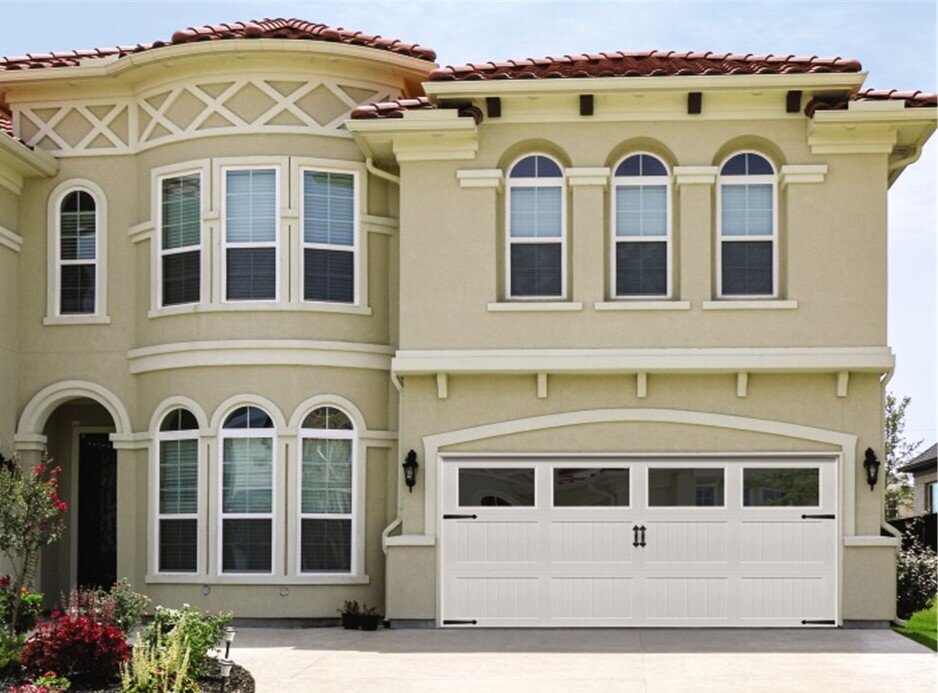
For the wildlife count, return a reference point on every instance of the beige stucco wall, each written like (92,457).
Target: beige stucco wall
(9,272)
(869,583)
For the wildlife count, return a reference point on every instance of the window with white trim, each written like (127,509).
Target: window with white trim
(247,492)
(327,492)
(748,236)
(330,242)
(181,239)
(250,234)
(642,231)
(536,229)
(178,504)
(77,254)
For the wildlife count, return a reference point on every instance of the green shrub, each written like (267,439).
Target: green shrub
(128,605)
(162,666)
(201,630)
(917,579)
(120,607)
(11,648)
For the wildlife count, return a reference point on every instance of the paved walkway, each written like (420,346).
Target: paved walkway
(318,660)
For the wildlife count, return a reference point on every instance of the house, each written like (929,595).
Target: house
(627,311)
(924,471)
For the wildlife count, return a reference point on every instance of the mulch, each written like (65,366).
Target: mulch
(240,681)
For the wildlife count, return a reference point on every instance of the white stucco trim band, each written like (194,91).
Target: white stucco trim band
(11,240)
(260,352)
(871,541)
(690,360)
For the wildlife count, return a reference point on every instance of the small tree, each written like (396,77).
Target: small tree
(31,517)
(898,452)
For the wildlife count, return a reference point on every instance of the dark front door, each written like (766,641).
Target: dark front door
(97,511)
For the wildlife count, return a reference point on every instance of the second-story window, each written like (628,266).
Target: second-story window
(181,239)
(748,245)
(536,229)
(329,239)
(642,228)
(78,254)
(250,235)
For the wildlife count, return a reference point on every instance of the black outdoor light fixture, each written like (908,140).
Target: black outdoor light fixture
(229,638)
(410,470)
(871,465)
(224,671)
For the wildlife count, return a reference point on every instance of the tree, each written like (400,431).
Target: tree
(31,517)
(898,452)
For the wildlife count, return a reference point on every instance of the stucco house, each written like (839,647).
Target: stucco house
(628,311)
(924,470)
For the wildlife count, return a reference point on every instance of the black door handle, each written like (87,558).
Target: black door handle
(818,517)
(635,535)
(642,542)
(460,517)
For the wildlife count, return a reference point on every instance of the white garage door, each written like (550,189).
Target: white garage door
(612,542)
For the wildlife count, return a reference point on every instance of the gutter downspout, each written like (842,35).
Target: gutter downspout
(892,531)
(370,165)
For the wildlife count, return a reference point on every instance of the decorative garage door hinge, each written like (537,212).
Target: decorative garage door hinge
(456,622)
(460,517)
(818,517)
(822,622)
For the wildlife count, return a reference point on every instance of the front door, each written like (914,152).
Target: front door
(97,511)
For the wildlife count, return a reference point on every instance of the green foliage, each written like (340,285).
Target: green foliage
(11,647)
(916,579)
(201,630)
(120,606)
(161,666)
(128,605)
(53,681)
(922,626)
(898,451)
(31,517)
(23,600)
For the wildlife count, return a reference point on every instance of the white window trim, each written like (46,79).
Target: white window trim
(640,181)
(54,316)
(256,433)
(509,241)
(356,564)
(720,238)
(283,211)
(198,515)
(298,167)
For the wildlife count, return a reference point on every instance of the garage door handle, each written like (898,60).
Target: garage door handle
(460,517)
(818,517)
(642,529)
(635,535)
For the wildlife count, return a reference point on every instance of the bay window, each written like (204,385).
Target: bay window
(250,234)
(181,239)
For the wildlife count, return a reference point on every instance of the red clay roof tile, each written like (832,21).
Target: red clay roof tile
(912,99)
(644,64)
(262,28)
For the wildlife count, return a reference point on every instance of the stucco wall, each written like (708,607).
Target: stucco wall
(920,483)
(9,295)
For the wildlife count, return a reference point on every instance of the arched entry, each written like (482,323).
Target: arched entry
(76,421)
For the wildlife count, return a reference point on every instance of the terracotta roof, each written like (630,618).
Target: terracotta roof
(644,64)
(391,109)
(925,460)
(912,99)
(255,29)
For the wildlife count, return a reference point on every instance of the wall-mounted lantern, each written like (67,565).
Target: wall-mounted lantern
(871,465)
(410,470)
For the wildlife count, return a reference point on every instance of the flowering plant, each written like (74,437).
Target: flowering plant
(31,516)
(27,602)
(50,682)
(81,647)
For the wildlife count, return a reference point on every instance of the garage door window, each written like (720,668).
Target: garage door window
(496,487)
(778,487)
(579,487)
(685,487)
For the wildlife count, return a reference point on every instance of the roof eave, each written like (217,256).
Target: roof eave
(17,161)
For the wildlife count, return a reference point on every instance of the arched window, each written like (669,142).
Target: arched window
(178,510)
(642,228)
(77,254)
(536,229)
(748,253)
(247,491)
(327,492)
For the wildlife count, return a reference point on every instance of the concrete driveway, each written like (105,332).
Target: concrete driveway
(653,660)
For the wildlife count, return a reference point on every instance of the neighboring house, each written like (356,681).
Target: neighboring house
(924,471)
(628,310)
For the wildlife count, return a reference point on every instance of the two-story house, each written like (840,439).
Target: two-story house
(596,340)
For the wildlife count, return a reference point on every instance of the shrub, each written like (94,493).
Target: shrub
(49,682)
(917,578)
(120,607)
(78,646)
(11,648)
(160,667)
(23,600)
(202,631)
(128,605)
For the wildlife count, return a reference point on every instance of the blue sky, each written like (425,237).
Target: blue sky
(895,41)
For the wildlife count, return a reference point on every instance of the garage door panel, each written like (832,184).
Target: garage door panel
(585,599)
(496,598)
(686,598)
(591,542)
(480,541)
(686,542)
(795,541)
(788,598)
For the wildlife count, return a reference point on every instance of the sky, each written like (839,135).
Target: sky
(895,41)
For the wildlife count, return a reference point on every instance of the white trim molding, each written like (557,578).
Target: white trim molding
(533,306)
(689,360)
(628,305)
(695,175)
(860,540)
(481,178)
(43,403)
(11,240)
(801,173)
(750,304)
(260,352)
(594,176)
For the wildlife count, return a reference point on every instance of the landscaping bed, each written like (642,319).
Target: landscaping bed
(922,627)
(240,681)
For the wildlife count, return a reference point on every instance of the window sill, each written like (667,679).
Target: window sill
(751,304)
(308,307)
(626,304)
(534,306)
(76,320)
(289,580)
